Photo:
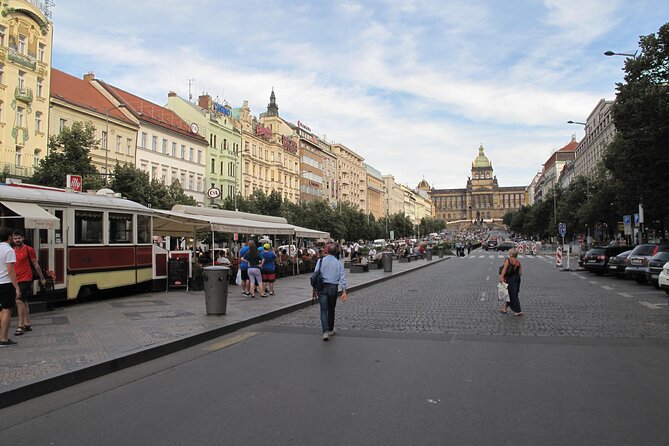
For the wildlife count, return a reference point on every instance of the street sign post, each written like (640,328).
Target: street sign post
(562,229)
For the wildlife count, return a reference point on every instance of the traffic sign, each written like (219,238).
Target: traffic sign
(627,219)
(636,219)
(562,229)
(213,192)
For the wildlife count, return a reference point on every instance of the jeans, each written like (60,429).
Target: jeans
(327,297)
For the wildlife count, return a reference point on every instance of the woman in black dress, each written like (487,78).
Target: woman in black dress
(511,272)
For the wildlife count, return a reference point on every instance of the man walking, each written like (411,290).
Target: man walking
(9,287)
(26,260)
(332,271)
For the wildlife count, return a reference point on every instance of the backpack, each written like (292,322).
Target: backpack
(316,279)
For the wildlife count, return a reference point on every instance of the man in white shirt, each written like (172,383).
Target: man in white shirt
(9,286)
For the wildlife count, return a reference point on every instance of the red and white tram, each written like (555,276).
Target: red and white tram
(87,242)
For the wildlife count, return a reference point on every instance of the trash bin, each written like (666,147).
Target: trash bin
(441,252)
(387,262)
(428,254)
(216,289)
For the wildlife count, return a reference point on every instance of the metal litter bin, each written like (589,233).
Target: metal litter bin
(428,254)
(387,262)
(216,289)
(441,252)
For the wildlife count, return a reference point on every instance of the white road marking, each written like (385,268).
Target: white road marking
(625,295)
(487,278)
(607,287)
(593,282)
(481,257)
(581,277)
(652,306)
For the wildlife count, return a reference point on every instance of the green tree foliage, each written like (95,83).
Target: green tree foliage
(69,153)
(135,185)
(637,158)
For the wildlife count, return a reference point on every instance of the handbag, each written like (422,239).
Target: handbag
(238,279)
(503,292)
(316,279)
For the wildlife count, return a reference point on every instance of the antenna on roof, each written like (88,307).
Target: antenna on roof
(191,84)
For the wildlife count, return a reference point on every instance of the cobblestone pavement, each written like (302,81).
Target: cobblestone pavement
(81,335)
(460,297)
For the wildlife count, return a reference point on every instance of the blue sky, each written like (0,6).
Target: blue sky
(413,86)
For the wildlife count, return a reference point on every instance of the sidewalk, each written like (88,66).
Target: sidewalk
(73,344)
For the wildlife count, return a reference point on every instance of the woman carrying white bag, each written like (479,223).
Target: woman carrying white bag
(510,276)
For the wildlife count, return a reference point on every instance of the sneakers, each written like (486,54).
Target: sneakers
(332,332)
(9,342)
(325,336)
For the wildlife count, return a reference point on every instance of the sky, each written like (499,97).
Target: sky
(413,86)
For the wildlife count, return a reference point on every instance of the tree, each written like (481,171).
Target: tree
(135,185)
(69,153)
(637,157)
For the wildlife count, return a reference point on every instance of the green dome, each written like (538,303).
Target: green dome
(481,160)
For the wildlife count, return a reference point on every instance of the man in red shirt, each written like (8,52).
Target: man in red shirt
(25,257)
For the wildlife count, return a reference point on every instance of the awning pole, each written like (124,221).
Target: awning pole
(213,238)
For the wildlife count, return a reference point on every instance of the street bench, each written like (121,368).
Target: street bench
(359,268)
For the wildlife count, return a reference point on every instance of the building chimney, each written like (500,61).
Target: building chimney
(89,76)
(171,94)
(204,102)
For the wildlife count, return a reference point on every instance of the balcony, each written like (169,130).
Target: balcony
(24,94)
(27,61)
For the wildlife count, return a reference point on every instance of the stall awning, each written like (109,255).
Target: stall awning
(311,233)
(34,216)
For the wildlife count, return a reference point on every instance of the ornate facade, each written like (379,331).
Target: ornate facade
(25,66)
(481,199)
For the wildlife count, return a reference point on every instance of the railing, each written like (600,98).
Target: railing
(9,169)
(22,59)
(24,94)
(42,6)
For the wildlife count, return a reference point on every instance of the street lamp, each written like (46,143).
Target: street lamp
(576,122)
(119,106)
(611,53)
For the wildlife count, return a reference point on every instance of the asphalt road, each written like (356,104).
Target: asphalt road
(423,359)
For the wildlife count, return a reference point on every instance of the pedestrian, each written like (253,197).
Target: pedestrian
(26,260)
(255,263)
(268,269)
(334,277)
(10,292)
(244,268)
(511,272)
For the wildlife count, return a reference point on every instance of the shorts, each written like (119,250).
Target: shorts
(268,276)
(26,290)
(255,276)
(7,296)
(245,275)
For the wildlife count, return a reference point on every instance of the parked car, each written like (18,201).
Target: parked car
(637,262)
(655,267)
(617,263)
(597,259)
(663,279)
(505,245)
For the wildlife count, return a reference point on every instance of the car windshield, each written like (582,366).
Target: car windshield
(664,256)
(644,250)
(596,251)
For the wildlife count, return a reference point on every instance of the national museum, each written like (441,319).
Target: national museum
(482,199)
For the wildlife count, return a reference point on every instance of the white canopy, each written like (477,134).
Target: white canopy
(33,215)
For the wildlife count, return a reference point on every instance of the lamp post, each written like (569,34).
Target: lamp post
(576,122)
(611,53)
(119,106)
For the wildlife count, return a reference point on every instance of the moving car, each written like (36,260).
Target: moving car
(505,245)
(617,263)
(637,262)
(663,279)
(490,244)
(655,267)
(597,259)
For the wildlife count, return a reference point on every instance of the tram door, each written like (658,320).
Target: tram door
(52,250)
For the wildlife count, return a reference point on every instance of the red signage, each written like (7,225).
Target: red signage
(75,182)
(263,132)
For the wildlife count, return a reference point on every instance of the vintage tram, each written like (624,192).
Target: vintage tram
(86,241)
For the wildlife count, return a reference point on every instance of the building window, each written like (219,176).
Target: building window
(174,149)
(19,116)
(62,124)
(38,121)
(199,156)
(128,150)
(21,48)
(119,140)
(2,73)
(142,141)
(3,32)
(183,152)
(190,182)
(22,80)
(104,140)
(154,143)
(36,157)
(164,146)
(40,87)
(41,50)
(2,110)
(213,165)
(191,152)
(17,157)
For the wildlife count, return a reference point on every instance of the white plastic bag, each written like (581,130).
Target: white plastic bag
(503,292)
(238,280)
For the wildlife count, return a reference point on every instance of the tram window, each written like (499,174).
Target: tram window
(87,227)
(120,228)
(43,236)
(143,229)
(59,232)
